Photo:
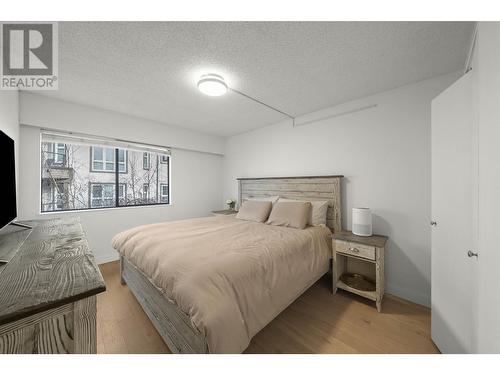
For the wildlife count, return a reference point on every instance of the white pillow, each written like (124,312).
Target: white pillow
(273,199)
(318,212)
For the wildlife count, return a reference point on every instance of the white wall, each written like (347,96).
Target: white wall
(384,154)
(487,70)
(9,118)
(196,178)
(56,114)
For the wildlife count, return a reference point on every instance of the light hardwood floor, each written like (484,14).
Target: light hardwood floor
(316,322)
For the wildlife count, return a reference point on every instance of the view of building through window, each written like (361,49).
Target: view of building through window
(79,176)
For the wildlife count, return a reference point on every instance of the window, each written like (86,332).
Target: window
(103,159)
(59,153)
(144,185)
(164,193)
(103,195)
(55,154)
(80,174)
(122,161)
(145,160)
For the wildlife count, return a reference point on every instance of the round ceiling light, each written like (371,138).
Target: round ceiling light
(212,84)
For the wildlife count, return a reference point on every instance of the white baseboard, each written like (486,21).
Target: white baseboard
(410,295)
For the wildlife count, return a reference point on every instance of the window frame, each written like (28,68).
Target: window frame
(89,207)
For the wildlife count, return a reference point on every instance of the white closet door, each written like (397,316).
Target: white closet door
(453,279)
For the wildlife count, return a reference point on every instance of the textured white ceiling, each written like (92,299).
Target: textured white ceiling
(150,69)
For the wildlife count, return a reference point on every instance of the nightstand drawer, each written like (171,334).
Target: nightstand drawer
(356,249)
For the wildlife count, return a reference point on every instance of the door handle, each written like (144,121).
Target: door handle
(471,254)
(433,223)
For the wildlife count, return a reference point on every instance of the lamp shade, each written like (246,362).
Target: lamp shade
(362,221)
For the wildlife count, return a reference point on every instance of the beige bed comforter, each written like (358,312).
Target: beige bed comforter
(231,277)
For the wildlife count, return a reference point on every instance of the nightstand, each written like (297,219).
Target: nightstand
(358,265)
(224,212)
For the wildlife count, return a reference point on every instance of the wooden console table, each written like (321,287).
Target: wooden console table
(48,290)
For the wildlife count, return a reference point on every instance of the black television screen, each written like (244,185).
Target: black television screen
(8,211)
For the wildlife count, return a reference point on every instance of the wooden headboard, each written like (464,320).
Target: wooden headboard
(318,188)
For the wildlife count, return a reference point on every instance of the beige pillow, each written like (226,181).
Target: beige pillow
(290,214)
(254,211)
(318,211)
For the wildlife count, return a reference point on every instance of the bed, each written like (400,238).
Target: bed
(210,284)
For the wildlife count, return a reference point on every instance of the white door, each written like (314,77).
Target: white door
(452,188)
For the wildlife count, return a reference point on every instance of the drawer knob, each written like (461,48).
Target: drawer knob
(354,250)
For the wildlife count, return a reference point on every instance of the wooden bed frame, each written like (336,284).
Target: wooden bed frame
(174,325)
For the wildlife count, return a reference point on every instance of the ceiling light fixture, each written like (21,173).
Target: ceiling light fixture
(212,84)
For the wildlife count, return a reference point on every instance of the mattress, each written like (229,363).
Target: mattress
(231,277)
